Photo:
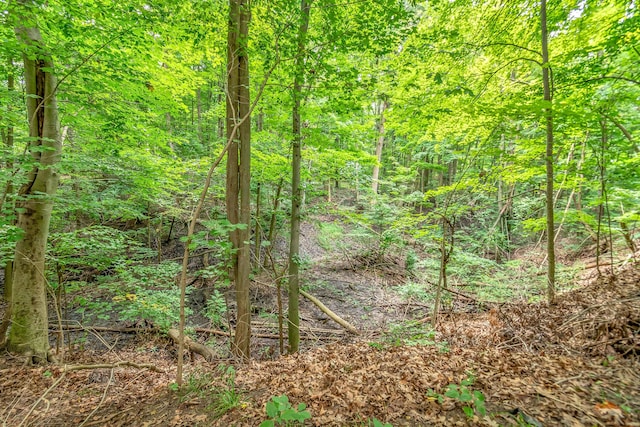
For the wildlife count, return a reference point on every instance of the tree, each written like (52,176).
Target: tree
(546,81)
(382,105)
(29,330)
(296,192)
(238,191)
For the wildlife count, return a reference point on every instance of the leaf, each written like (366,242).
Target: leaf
(268,423)
(452,391)
(272,409)
(468,411)
(465,395)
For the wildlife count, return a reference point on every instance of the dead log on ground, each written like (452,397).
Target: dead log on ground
(192,346)
(350,328)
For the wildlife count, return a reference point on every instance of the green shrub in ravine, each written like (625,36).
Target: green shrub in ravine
(409,333)
(216,308)
(135,293)
(281,413)
(96,247)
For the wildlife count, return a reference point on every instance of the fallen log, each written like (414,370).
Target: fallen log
(350,328)
(193,346)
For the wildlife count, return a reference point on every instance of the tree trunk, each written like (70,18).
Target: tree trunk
(258,228)
(232,183)
(29,333)
(546,83)
(239,167)
(296,194)
(8,191)
(379,146)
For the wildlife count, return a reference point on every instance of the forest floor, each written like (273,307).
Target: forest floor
(575,363)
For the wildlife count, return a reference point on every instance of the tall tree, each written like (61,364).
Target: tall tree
(296,193)
(382,105)
(8,190)
(238,196)
(546,82)
(29,333)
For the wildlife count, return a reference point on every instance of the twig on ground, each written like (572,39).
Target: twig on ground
(104,397)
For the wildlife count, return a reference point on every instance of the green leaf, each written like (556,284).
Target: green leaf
(465,395)
(268,423)
(452,391)
(272,409)
(468,411)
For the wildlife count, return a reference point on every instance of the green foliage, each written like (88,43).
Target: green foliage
(9,235)
(227,397)
(374,422)
(216,308)
(96,247)
(281,413)
(415,291)
(137,292)
(217,388)
(330,235)
(473,401)
(411,333)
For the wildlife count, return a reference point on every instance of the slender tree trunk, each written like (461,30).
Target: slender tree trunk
(546,82)
(379,146)
(238,196)
(232,176)
(8,268)
(296,194)
(258,228)
(199,115)
(29,334)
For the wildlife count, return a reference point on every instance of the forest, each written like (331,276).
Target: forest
(320,212)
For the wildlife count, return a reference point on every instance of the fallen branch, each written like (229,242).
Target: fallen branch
(193,346)
(330,313)
(269,336)
(104,397)
(69,368)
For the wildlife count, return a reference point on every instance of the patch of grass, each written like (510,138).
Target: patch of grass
(206,386)
(226,398)
(329,234)
(409,333)
(415,291)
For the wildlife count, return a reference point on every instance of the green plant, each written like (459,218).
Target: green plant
(415,291)
(374,422)
(329,235)
(216,308)
(473,400)
(410,333)
(281,413)
(228,397)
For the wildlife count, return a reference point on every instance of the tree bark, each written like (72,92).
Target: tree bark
(546,83)
(296,193)
(28,334)
(238,197)
(379,146)
(8,268)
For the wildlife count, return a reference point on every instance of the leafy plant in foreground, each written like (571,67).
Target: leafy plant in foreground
(473,400)
(281,413)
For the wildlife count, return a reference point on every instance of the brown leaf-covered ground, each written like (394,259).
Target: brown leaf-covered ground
(568,365)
